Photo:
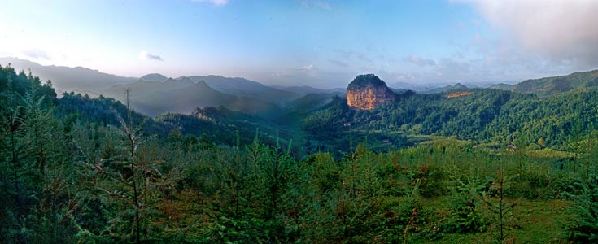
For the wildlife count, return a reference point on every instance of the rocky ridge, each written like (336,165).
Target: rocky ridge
(367,92)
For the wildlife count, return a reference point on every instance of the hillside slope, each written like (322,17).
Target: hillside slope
(553,85)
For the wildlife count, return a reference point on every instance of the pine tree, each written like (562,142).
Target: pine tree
(499,206)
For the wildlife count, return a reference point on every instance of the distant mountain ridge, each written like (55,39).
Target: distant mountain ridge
(448,88)
(184,95)
(155,93)
(78,79)
(154,77)
(242,87)
(553,85)
(155,97)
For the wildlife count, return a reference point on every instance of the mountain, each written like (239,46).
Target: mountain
(154,93)
(502,86)
(79,80)
(245,88)
(295,110)
(154,77)
(548,86)
(367,92)
(182,95)
(214,123)
(177,96)
(445,89)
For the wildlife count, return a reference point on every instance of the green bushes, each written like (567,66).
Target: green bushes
(466,207)
(431,180)
(248,230)
(584,228)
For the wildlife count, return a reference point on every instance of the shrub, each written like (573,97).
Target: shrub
(466,215)
(585,227)
(430,180)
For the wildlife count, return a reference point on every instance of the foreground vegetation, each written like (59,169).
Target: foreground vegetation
(70,178)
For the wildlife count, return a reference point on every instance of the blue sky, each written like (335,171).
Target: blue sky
(322,43)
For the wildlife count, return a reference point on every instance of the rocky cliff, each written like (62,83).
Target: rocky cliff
(367,92)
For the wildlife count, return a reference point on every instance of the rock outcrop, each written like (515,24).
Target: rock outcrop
(367,92)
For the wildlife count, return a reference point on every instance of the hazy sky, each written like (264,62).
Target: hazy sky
(323,43)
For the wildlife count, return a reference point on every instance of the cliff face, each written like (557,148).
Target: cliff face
(367,92)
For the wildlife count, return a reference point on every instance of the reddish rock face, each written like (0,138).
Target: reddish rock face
(368,92)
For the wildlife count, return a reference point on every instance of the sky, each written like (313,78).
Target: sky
(321,43)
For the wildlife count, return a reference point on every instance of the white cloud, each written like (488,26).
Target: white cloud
(561,30)
(144,55)
(307,67)
(213,2)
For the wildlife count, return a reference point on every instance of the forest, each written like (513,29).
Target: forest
(493,117)
(505,168)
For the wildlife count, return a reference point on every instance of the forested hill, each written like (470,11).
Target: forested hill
(548,86)
(483,115)
(218,125)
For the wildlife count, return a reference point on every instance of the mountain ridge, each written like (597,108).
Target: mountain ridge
(69,79)
(552,85)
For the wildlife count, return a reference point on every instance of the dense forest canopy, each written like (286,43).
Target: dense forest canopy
(518,168)
(483,116)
